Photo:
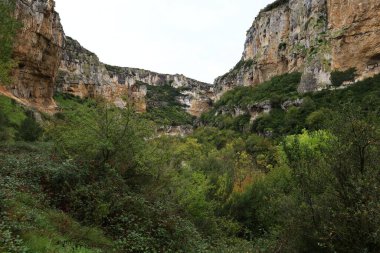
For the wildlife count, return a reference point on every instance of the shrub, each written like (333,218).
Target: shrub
(8,30)
(274,5)
(30,130)
(339,77)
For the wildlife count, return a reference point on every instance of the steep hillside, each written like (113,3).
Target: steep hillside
(311,37)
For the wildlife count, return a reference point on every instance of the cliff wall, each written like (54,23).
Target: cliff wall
(48,61)
(37,52)
(82,74)
(313,37)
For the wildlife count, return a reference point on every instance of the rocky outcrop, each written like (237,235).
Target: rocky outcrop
(354,26)
(82,74)
(37,51)
(313,37)
(48,61)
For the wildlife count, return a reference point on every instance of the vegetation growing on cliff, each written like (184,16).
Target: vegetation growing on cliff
(242,64)
(100,183)
(8,30)
(103,182)
(164,108)
(339,77)
(275,5)
(287,116)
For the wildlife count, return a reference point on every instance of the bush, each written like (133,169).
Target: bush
(30,130)
(8,30)
(339,77)
(274,5)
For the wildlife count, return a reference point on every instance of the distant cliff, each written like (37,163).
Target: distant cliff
(313,37)
(48,61)
(82,74)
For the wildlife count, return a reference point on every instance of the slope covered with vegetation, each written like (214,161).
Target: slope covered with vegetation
(95,178)
(163,106)
(98,182)
(315,109)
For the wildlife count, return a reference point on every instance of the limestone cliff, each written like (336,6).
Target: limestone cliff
(37,51)
(313,37)
(82,74)
(48,61)
(354,27)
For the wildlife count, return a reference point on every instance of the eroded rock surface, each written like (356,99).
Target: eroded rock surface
(313,37)
(82,74)
(37,51)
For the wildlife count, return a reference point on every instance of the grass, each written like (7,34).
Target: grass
(14,112)
(26,207)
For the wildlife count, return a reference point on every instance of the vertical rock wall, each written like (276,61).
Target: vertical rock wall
(37,52)
(82,74)
(355,35)
(313,37)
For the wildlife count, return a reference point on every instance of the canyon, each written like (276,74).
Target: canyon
(314,37)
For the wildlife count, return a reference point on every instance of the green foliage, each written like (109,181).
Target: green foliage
(275,5)
(284,87)
(105,183)
(11,117)
(28,222)
(311,114)
(29,129)
(164,108)
(242,64)
(14,112)
(339,77)
(275,92)
(101,134)
(8,30)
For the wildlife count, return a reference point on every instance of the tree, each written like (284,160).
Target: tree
(4,123)
(30,130)
(102,134)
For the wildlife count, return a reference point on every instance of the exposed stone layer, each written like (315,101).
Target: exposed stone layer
(355,30)
(82,74)
(314,37)
(42,51)
(309,36)
(37,51)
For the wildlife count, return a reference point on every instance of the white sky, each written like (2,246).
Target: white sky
(201,39)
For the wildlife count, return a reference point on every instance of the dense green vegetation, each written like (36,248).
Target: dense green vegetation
(100,182)
(339,77)
(275,5)
(242,64)
(94,178)
(315,110)
(164,108)
(8,30)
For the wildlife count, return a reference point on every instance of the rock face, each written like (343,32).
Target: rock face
(313,37)
(82,74)
(355,35)
(37,51)
(48,61)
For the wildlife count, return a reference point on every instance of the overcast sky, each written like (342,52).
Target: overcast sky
(201,39)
